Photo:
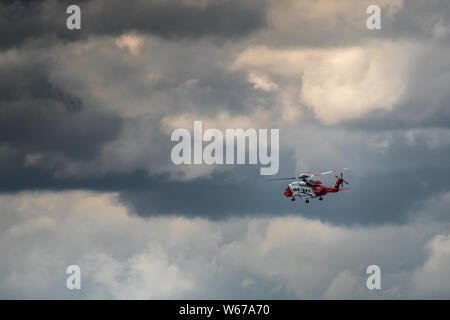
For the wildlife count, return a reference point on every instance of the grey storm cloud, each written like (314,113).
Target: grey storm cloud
(55,116)
(37,116)
(170,19)
(85,124)
(318,24)
(376,198)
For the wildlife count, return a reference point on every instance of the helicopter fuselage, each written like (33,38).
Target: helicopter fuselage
(305,185)
(310,189)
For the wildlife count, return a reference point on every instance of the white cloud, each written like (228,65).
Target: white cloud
(131,42)
(261,82)
(335,83)
(123,256)
(433,279)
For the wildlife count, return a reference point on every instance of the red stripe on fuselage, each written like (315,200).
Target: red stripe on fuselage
(288,192)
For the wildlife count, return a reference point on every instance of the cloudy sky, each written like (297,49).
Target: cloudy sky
(86,175)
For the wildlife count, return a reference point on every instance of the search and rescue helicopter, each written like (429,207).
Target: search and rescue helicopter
(306,187)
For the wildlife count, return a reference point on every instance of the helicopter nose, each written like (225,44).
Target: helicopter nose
(288,192)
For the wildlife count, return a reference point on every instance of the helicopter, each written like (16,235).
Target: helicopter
(306,187)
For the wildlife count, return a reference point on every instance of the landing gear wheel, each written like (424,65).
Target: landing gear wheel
(320,198)
(307,201)
(292,199)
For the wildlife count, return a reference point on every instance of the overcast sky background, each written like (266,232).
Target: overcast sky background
(85,169)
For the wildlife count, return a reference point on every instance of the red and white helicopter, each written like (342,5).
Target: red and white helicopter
(306,187)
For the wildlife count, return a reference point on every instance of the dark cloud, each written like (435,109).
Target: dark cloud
(88,116)
(39,114)
(29,20)
(46,125)
(321,25)
(36,116)
(30,79)
(373,199)
(386,197)
(419,20)
(174,19)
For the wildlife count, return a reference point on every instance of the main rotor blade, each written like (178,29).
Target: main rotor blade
(291,178)
(327,172)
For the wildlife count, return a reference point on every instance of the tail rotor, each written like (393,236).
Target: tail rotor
(341,181)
